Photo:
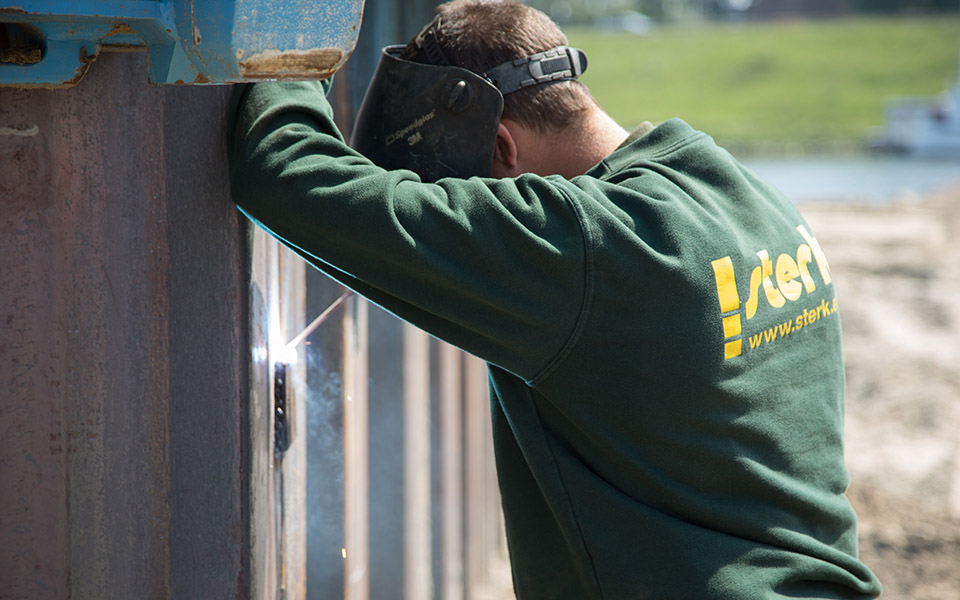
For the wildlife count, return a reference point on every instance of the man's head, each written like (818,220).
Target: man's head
(479,35)
(487,88)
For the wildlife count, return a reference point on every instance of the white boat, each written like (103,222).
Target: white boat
(925,127)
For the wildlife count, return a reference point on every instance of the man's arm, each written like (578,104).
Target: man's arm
(497,267)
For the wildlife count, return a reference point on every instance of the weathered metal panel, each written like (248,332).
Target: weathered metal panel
(209,352)
(121,383)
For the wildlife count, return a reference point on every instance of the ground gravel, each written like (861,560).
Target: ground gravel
(897,271)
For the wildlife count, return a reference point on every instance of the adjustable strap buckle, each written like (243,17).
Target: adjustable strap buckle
(426,40)
(557,64)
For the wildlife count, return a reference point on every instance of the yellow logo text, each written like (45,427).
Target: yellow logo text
(786,279)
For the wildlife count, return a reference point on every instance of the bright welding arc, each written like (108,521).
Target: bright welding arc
(316,322)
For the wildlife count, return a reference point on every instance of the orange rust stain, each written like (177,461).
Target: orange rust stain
(87,58)
(120,28)
(200,78)
(107,47)
(317,63)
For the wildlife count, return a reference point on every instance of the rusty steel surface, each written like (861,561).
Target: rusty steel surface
(319,63)
(123,345)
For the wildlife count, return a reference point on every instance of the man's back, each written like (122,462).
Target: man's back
(687,438)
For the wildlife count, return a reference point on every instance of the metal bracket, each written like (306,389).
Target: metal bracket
(50,43)
(283,426)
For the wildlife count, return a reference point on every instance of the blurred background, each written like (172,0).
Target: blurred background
(146,321)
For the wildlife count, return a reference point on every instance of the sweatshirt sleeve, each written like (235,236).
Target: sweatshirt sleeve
(496,267)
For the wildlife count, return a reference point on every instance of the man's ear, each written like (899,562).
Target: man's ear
(504,154)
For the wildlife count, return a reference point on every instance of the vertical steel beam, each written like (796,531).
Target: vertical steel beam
(476,415)
(293,463)
(123,343)
(276,488)
(356,551)
(450,414)
(266,338)
(418,572)
(387,455)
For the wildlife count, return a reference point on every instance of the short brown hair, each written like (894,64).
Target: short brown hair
(480,34)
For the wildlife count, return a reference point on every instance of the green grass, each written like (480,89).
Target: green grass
(813,83)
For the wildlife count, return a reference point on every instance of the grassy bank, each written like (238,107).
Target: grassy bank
(819,84)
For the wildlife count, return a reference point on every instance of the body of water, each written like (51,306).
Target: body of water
(882,178)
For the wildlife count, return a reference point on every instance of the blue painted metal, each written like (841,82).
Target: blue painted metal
(188,41)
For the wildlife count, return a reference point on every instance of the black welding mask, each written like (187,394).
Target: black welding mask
(440,120)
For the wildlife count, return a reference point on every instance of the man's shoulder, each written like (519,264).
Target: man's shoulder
(649,143)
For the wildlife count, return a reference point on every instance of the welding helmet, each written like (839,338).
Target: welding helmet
(440,120)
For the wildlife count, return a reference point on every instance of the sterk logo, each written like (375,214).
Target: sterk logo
(792,276)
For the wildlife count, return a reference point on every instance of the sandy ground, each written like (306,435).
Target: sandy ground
(897,269)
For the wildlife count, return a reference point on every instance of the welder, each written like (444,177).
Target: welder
(660,324)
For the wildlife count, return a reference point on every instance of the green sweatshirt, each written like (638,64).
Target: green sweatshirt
(662,337)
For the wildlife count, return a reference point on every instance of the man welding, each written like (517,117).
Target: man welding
(660,324)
